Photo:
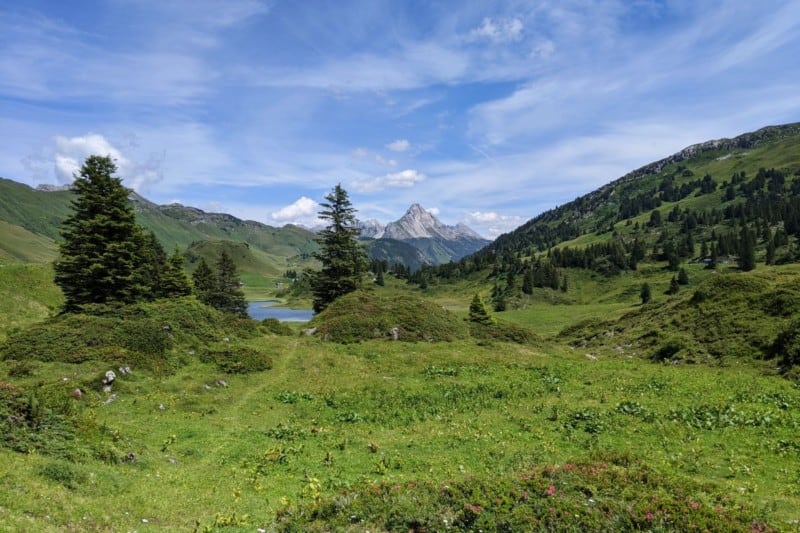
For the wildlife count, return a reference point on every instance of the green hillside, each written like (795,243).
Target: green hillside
(30,221)
(19,245)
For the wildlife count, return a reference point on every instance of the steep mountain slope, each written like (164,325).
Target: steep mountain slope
(658,186)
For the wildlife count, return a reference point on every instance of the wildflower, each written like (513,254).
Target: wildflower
(551,490)
(649,516)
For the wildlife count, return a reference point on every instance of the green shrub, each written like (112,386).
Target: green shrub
(276,327)
(571,497)
(787,347)
(142,335)
(502,332)
(69,475)
(362,315)
(238,359)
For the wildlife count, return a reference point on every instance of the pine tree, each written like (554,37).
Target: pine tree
(153,263)
(99,255)
(379,281)
(683,277)
(227,295)
(342,257)
(205,282)
(674,287)
(174,281)
(645,293)
(747,250)
(478,312)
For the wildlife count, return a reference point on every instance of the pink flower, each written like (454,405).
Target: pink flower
(649,516)
(695,505)
(551,490)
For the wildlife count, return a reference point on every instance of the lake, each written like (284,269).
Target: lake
(262,310)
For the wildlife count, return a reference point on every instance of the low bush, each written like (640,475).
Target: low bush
(142,335)
(237,359)
(502,332)
(363,315)
(572,497)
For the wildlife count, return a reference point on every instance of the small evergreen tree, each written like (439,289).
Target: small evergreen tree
(379,278)
(174,281)
(564,284)
(342,257)
(674,287)
(478,312)
(227,295)
(645,293)
(205,282)
(747,250)
(99,255)
(683,277)
(153,263)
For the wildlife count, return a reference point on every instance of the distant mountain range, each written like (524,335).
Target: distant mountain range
(30,220)
(437,242)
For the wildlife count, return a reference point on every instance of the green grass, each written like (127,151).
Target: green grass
(329,418)
(27,295)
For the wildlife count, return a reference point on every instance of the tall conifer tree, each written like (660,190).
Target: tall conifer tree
(343,258)
(228,296)
(99,255)
(204,281)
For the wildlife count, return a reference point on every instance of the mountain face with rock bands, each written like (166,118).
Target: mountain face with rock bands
(437,242)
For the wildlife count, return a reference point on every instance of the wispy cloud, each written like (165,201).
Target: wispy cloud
(403,179)
(498,31)
(400,145)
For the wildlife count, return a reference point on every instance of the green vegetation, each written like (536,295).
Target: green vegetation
(344,261)
(587,404)
(363,315)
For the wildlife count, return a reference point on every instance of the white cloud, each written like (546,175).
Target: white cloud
(360,152)
(501,31)
(491,223)
(71,152)
(433,211)
(403,179)
(400,145)
(302,211)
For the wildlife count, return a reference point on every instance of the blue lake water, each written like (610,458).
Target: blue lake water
(262,310)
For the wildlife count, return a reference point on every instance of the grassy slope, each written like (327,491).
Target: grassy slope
(27,295)
(19,245)
(399,413)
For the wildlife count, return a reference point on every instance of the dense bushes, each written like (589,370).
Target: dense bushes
(363,315)
(144,335)
(573,497)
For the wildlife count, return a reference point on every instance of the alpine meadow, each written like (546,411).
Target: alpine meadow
(583,314)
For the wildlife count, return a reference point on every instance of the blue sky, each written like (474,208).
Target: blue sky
(484,112)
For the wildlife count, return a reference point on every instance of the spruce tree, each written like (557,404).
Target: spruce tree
(683,277)
(747,250)
(204,281)
(674,287)
(99,254)
(478,312)
(227,295)
(153,263)
(174,281)
(645,294)
(342,257)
